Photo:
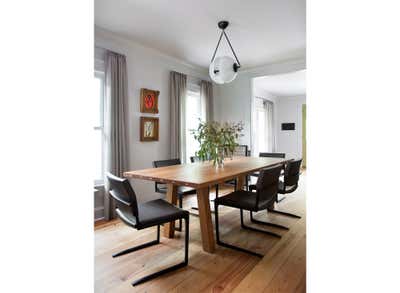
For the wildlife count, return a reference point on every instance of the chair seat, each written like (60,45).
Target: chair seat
(152,213)
(243,200)
(157,212)
(182,190)
(288,189)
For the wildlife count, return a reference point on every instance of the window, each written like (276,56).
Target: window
(193,113)
(98,125)
(263,126)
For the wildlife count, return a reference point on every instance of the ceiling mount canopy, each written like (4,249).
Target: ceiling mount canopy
(223,69)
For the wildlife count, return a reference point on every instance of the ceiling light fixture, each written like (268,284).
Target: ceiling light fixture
(223,69)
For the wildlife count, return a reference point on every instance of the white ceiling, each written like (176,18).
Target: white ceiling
(283,85)
(261,31)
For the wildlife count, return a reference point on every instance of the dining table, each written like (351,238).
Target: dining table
(201,176)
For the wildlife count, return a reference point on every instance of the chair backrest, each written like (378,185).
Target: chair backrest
(241,151)
(122,192)
(292,172)
(164,163)
(267,184)
(194,159)
(273,155)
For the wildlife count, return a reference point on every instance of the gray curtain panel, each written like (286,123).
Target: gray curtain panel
(207,99)
(177,93)
(115,121)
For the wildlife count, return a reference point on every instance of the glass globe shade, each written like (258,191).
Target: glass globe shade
(221,70)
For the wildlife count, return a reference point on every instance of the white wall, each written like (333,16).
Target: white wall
(289,110)
(147,68)
(233,100)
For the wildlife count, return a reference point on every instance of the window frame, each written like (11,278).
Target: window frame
(101,75)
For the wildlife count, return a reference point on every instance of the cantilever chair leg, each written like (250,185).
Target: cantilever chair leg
(179,228)
(174,267)
(135,248)
(280,199)
(255,229)
(266,223)
(219,242)
(284,213)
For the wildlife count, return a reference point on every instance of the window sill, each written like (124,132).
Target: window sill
(98,184)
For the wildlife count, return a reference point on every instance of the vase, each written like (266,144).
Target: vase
(220,158)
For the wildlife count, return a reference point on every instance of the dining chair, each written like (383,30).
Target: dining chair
(145,215)
(241,150)
(262,199)
(181,190)
(288,185)
(271,155)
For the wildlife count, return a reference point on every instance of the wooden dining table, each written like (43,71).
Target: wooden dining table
(200,176)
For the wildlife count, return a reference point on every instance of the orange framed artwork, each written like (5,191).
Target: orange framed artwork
(149,101)
(149,129)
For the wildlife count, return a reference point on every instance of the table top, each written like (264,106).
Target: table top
(202,174)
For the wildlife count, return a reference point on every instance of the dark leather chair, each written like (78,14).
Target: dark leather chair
(270,155)
(290,182)
(162,188)
(288,185)
(241,150)
(144,215)
(262,199)
(273,155)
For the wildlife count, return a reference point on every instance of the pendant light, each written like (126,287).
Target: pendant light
(223,69)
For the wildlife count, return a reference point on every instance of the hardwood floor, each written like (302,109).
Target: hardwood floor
(283,268)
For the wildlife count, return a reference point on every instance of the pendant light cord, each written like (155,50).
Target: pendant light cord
(233,51)
(230,45)
(215,51)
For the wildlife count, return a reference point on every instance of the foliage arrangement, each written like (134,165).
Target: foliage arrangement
(216,139)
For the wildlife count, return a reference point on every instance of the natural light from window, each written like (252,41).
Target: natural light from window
(98,126)
(193,114)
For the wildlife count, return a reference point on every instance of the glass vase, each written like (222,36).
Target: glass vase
(220,158)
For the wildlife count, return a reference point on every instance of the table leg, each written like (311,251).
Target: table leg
(206,226)
(241,180)
(171,198)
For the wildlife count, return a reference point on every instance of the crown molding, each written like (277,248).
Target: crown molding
(276,67)
(109,35)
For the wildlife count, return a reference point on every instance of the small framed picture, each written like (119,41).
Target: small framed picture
(148,129)
(149,101)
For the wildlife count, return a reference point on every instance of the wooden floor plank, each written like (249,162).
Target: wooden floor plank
(291,272)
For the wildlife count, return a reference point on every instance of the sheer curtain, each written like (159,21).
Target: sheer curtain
(263,129)
(178,90)
(116,160)
(270,125)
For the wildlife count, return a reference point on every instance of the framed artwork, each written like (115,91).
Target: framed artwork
(149,101)
(148,129)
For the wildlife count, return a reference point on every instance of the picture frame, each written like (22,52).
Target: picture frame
(149,128)
(149,101)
